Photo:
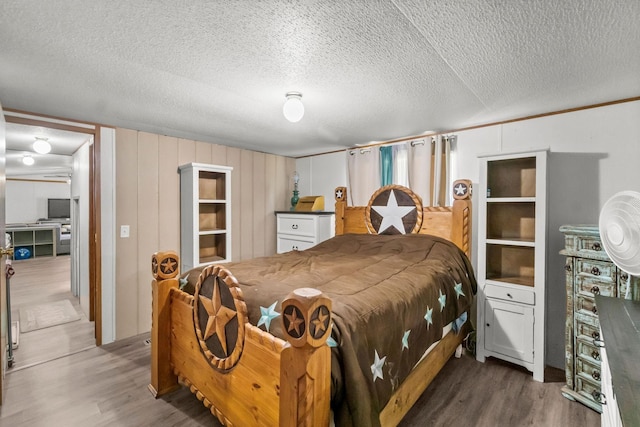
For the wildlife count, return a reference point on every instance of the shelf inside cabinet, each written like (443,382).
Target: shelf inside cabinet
(212,247)
(511,221)
(211,185)
(510,264)
(512,177)
(212,216)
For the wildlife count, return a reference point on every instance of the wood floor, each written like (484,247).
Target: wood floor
(107,386)
(38,281)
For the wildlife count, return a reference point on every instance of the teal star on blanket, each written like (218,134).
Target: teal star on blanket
(442,299)
(376,368)
(267,315)
(331,342)
(429,317)
(458,289)
(183,282)
(405,339)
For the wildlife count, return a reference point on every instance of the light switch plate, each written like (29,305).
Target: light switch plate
(124,231)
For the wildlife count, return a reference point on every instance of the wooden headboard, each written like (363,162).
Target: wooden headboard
(450,222)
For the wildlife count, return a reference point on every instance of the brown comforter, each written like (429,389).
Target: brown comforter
(391,297)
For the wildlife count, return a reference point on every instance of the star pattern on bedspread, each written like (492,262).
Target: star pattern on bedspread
(392,214)
(458,289)
(219,316)
(405,339)
(442,299)
(429,317)
(267,314)
(376,368)
(331,342)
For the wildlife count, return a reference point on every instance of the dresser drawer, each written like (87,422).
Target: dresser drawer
(591,286)
(586,350)
(292,244)
(297,224)
(587,389)
(586,305)
(588,246)
(509,294)
(588,369)
(601,269)
(590,330)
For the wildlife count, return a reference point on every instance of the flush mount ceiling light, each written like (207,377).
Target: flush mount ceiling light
(293,109)
(41,145)
(28,160)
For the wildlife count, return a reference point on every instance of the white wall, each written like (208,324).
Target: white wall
(594,153)
(108,232)
(26,201)
(80,254)
(320,175)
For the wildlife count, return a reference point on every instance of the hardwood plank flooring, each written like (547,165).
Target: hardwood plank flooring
(107,386)
(38,281)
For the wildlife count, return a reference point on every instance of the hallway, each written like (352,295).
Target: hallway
(39,281)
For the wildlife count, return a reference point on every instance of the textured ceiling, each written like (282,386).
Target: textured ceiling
(368,70)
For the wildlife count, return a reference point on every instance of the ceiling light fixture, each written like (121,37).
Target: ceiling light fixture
(293,109)
(42,145)
(28,160)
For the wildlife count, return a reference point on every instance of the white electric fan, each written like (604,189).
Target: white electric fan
(620,231)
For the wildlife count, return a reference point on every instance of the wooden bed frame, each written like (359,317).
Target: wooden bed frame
(268,381)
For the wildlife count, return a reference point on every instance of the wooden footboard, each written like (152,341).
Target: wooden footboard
(258,379)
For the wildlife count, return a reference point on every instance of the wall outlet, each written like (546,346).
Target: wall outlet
(124,231)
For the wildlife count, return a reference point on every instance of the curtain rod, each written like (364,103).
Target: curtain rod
(503,122)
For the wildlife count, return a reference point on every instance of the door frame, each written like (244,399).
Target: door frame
(95,236)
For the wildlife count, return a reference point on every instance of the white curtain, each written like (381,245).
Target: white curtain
(400,165)
(419,161)
(364,174)
(424,165)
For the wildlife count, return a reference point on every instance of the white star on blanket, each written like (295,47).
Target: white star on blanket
(392,214)
(376,368)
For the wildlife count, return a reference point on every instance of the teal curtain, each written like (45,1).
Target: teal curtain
(386,165)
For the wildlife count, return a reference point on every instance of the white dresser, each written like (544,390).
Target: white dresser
(298,231)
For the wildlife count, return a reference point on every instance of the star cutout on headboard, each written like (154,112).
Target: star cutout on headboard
(392,214)
(219,316)
(460,189)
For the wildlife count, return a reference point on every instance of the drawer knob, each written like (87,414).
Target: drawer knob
(594,310)
(509,295)
(595,290)
(595,271)
(599,397)
(595,355)
(596,375)
(624,277)
(597,246)
(567,267)
(295,248)
(595,335)
(294,226)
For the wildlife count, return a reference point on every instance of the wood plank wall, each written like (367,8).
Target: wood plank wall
(147,199)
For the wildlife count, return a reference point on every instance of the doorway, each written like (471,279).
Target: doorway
(83,262)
